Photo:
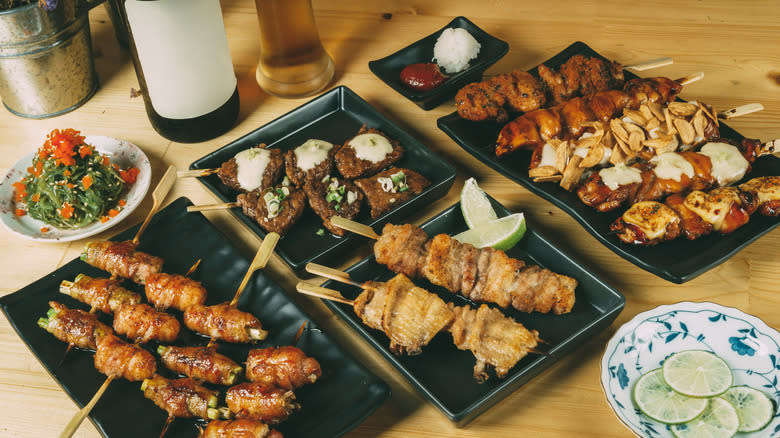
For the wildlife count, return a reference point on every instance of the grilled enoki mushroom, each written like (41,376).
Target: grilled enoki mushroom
(244,428)
(116,358)
(480,274)
(104,294)
(142,323)
(74,326)
(182,398)
(121,259)
(224,322)
(174,290)
(287,367)
(258,401)
(201,363)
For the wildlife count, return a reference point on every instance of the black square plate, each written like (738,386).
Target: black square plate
(335,116)
(388,69)
(343,397)
(444,374)
(678,261)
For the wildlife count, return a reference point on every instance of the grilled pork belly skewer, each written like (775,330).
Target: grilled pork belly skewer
(716,164)
(699,213)
(176,291)
(104,294)
(224,321)
(480,274)
(74,326)
(286,367)
(261,402)
(182,398)
(200,363)
(568,119)
(143,323)
(493,338)
(238,429)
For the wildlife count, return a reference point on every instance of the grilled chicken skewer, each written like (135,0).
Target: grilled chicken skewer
(480,274)
(714,165)
(286,367)
(699,213)
(406,312)
(238,429)
(569,119)
(176,291)
(200,363)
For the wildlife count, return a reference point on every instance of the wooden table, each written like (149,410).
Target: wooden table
(733,43)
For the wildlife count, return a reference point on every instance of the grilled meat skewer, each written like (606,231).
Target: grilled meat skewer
(122,259)
(699,213)
(224,322)
(182,398)
(367,153)
(174,290)
(252,169)
(275,209)
(74,326)
(200,363)
(116,358)
(142,323)
(258,401)
(482,275)
(244,428)
(286,367)
(104,294)
(311,161)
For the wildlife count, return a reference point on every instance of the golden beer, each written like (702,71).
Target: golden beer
(293,62)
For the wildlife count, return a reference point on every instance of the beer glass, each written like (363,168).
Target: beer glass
(293,62)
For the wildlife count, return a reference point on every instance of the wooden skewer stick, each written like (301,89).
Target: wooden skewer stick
(741,110)
(691,78)
(322,292)
(75,422)
(193,268)
(331,273)
(355,227)
(649,64)
(223,206)
(158,196)
(300,331)
(195,173)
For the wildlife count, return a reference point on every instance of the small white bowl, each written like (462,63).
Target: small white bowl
(747,344)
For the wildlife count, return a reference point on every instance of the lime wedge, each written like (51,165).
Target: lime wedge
(754,409)
(501,233)
(660,402)
(719,420)
(697,373)
(475,205)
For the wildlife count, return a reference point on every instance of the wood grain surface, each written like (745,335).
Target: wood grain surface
(733,42)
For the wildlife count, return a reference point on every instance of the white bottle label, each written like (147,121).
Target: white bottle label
(184,55)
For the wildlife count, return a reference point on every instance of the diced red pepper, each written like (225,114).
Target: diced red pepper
(66,211)
(20,212)
(130,175)
(86,181)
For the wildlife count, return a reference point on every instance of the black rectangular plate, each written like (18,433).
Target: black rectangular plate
(345,395)
(336,116)
(677,261)
(388,69)
(442,373)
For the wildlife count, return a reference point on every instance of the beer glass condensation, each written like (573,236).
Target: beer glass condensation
(293,62)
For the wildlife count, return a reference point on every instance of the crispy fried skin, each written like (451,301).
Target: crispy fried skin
(224,322)
(122,259)
(115,357)
(174,290)
(143,324)
(76,326)
(181,398)
(104,294)
(287,367)
(238,429)
(258,401)
(201,363)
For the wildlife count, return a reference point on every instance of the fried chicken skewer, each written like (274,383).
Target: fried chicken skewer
(411,316)
(699,213)
(480,274)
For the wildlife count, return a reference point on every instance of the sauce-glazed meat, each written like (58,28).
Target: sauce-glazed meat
(224,322)
(104,294)
(367,153)
(253,169)
(312,160)
(389,189)
(74,326)
(334,196)
(181,398)
(121,259)
(238,429)
(274,209)
(115,357)
(287,367)
(174,290)
(142,323)
(258,401)
(201,363)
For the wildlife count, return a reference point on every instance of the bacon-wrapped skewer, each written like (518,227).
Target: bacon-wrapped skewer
(74,326)
(174,290)
(570,118)
(714,165)
(201,363)
(182,398)
(287,367)
(224,322)
(480,274)
(258,401)
(699,213)
(104,294)
(116,358)
(244,428)
(121,259)
(142,323)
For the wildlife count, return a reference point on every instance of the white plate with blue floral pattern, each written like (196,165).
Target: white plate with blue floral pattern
(747,344)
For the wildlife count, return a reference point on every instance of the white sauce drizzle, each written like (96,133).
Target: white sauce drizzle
(619,175)
(251,165)
(371,147)
(312,153)
(671,165)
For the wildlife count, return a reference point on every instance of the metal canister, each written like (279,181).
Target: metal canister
(46,64)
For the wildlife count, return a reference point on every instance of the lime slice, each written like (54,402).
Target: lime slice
(697,373)
(501,233)
(660,402)
(475,205)
(754,409)
(719,420)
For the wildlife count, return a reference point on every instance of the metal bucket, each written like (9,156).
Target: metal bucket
(46,65)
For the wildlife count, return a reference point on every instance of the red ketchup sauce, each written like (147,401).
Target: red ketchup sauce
(422,76)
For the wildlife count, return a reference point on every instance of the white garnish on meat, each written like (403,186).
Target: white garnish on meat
(351,197)
(548,156)
(371,147)
(386,183)
(251,164)
(312,153)
(671,165)
(728,164)
(619,175)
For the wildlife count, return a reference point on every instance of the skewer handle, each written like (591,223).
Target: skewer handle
(691,78)
(741,110)
(195,173)
(75,422)
(652,63)
(333,274)
(355,227)
(223,206)
(259,262)
(322,292)
(158,196)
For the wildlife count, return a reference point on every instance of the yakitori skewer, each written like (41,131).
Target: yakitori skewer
(480,274)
